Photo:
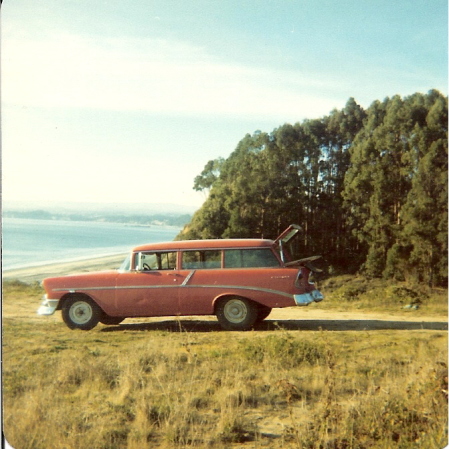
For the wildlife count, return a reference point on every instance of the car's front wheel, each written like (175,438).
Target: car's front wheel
(80,312)
(236,314)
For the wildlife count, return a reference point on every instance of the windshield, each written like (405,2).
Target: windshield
(126,264)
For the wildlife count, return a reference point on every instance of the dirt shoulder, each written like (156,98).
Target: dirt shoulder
(316,318)
(315,312)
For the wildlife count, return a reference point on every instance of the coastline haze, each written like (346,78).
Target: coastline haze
(60,206)
(39,242)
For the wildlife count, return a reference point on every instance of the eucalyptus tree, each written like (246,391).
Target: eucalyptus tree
(421,251)
(386,173)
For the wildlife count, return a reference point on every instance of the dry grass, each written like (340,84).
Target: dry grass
(190,386)
(361,293)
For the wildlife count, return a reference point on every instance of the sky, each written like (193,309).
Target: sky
(118,102)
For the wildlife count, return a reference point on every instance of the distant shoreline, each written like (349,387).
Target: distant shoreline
(41,244)
(38,273)
(170,220)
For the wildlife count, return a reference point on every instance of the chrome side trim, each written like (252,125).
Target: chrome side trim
(229,287)
(77,289)
(239,287)
(187,279)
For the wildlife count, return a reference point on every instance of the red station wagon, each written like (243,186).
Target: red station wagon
(238,280)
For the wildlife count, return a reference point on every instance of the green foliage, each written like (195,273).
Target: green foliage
(209,175)
(370,294)
(349,292)
(396,188)
(368,187)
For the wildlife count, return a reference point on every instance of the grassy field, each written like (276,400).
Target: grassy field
(184,383)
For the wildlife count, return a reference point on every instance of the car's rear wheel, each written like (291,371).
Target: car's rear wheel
(80,312)
(236,314)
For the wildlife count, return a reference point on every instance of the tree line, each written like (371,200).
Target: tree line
(368,187)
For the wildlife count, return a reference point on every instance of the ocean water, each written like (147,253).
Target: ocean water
(27,243)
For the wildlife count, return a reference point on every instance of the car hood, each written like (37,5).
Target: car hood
(77,279)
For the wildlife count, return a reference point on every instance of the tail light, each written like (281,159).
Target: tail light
(305,277)
(302,277)
(312,278)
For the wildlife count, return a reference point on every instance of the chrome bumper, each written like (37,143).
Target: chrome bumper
(48,306)
(306,298)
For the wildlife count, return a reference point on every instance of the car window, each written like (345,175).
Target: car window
(250,258)
(296,248)
(288,243)
(201,259)
(158,261)
(125,266)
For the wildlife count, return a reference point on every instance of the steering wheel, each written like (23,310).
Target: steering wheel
(146,267)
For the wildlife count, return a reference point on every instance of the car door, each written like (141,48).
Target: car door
(152,288)
(199,270)
(253,273)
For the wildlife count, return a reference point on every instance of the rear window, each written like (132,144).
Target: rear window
(250,258)
(194,260)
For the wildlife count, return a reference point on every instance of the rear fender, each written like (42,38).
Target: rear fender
(226,296)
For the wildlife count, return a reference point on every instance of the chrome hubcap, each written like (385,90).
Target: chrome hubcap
(235,311)
(80,312)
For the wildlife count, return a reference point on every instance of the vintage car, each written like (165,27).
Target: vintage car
(238,280)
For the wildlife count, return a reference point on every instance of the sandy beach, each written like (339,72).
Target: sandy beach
(37,274)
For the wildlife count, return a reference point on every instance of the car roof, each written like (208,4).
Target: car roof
(205,244)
